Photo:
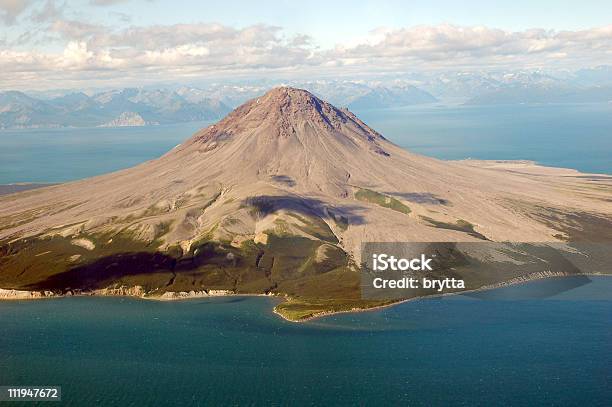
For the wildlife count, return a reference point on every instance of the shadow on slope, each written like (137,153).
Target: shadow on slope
(284,179)
(420,197)
(267,205)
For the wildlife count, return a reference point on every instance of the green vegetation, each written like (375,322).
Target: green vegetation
(286,263)
(575,226)
(315,227)
(21,218)
(33,261)
(460,225)
(302,309)
(152,210)
(367,195)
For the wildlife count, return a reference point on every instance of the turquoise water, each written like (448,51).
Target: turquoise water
(573,136)
(58,155)
(570,136)
(452,351)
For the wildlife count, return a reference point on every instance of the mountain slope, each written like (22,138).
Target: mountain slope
(18,110)
(543,94)
(397,97)
(278,197)
(126,119)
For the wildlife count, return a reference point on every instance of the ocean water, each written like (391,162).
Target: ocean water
(455,350)
(58,155)
(573,136)
(564,135)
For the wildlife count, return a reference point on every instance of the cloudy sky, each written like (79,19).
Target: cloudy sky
(70,44)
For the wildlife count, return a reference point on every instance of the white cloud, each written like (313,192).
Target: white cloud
(76,55)
(86,51)
(104,3)
(450,45)
(11,9)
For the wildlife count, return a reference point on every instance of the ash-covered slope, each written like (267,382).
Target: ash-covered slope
(278,197)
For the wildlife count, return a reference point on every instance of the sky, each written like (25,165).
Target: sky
(48,44)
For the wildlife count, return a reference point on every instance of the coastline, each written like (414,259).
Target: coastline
(513,282)
(122,291)
(139,293)
(8,189)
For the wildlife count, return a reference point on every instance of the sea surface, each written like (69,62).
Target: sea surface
(58,155)
(573,136)
(456,350)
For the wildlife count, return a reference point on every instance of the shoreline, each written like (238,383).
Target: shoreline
(138,293)
(122,291)
(8,189)
(398,302)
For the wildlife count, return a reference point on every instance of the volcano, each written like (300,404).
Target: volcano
(278,198)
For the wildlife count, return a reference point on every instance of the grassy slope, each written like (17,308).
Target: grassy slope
(367,195)
(311,270)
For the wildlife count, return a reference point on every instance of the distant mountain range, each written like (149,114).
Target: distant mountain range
(543,94)
(352,94)
(358,96)
(386,97)
(123,107)
(140,107)
(584,86)
(456,87)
